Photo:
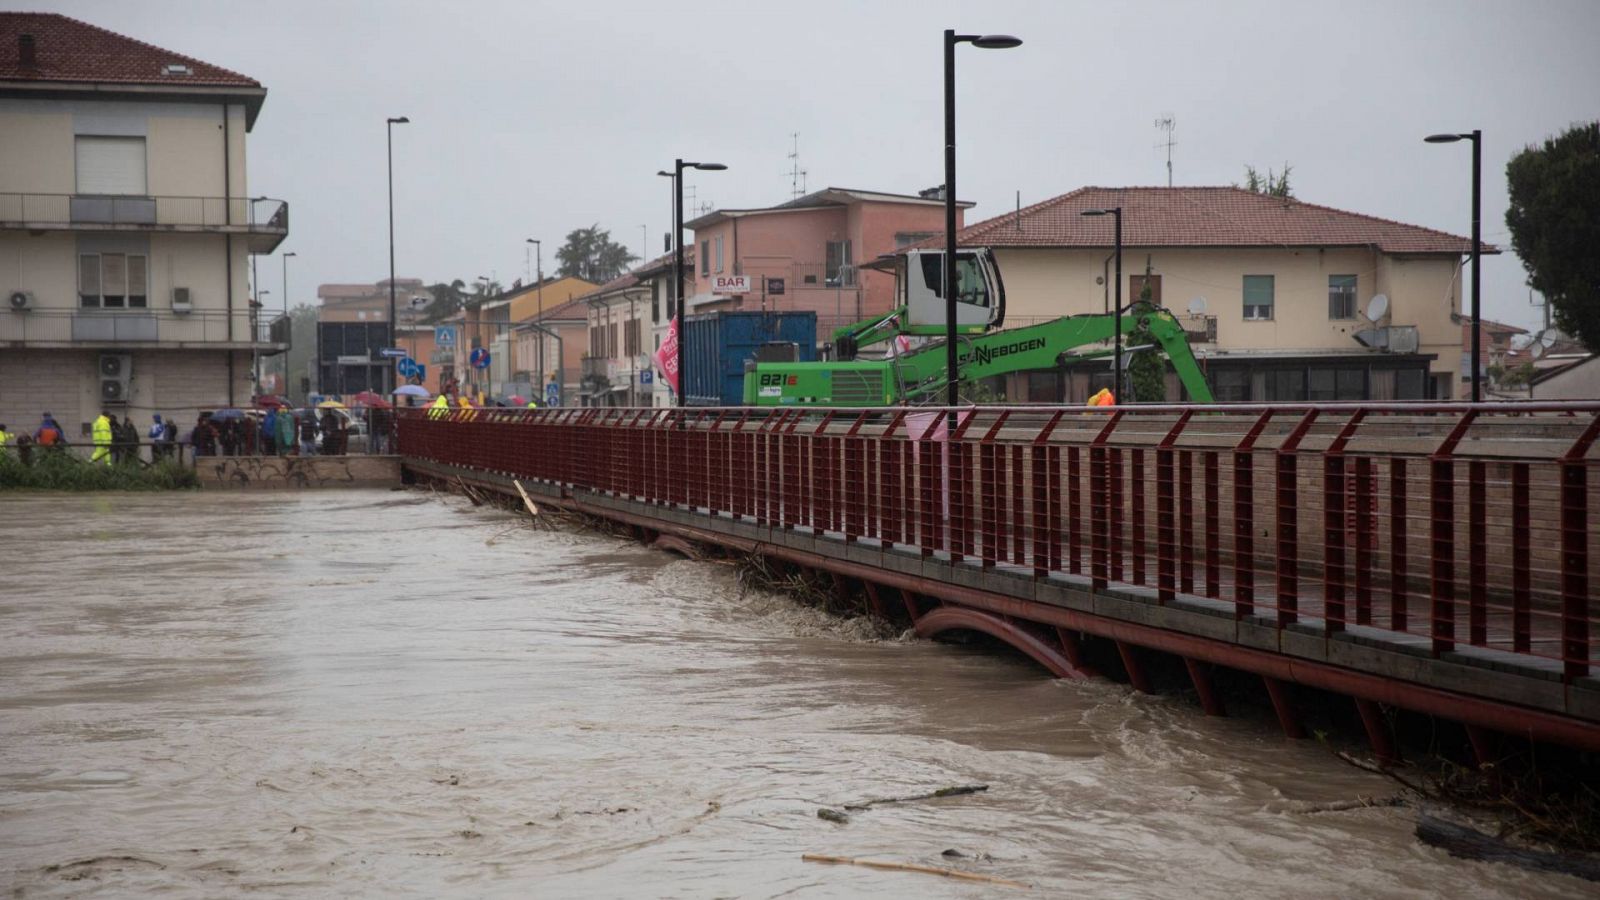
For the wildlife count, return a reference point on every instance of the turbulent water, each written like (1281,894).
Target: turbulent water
(374,692)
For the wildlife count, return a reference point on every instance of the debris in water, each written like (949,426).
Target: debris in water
(832,815)
(952,791)
(912,867)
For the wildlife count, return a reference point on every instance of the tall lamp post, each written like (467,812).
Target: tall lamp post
(677,259)
(285,257)
(539,288)
(1476,137)
(389,127)
(951,39)
(1116,374)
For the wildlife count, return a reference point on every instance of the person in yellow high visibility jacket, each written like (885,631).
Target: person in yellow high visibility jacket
(6,438)
(439,406)
(102,439)
(1103,398)
(533,404)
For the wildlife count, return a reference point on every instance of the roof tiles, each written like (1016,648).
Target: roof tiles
(67,50)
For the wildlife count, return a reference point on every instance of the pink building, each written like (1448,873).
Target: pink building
(806,254)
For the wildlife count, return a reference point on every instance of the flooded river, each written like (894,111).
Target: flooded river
(375,692)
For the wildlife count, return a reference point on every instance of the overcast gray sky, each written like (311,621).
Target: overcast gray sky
(530,119)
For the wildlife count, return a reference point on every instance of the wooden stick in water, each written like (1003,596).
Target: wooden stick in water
(912,867)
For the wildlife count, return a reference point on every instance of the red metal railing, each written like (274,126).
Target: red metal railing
(1455,524)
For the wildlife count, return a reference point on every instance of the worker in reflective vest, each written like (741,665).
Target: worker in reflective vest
(102,439)
(439,406)
(1103,398)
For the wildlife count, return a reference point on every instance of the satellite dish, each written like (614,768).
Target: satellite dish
(1378,307)
(1197,306)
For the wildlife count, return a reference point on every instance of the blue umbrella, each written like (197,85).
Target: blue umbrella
(412,390)
(227,414)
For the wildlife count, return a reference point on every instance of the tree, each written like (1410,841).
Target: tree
(1272,184)
(1147,371)
(1554,221)
(590,254)
(296,364)
(448,299)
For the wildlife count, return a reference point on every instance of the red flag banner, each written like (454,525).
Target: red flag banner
(667,356)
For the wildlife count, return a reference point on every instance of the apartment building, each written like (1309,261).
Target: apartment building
(617,369)
(126,227)
(353,329)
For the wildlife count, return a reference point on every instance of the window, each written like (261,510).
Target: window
(1232,385)
(631,334)
(969,281)
(113,281)
(840,269)
(1410,384)
(1136,285)
(719,254)
(1341,296)
(705,257)
(1286,385)
(1258,297)
(110,165)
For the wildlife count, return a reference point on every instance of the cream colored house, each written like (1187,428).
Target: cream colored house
(1277,292)
(126,227)
(617,369)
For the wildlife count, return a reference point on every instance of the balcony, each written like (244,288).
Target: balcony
(264,222)
(43,329)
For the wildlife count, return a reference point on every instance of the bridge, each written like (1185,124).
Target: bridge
(1432,558)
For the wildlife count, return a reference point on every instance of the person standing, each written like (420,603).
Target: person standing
(156,433)
(101,432)
(269,432)
(286,431)
(5,436)
(308,434)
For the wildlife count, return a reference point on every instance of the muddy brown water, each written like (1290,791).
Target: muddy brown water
(386,693)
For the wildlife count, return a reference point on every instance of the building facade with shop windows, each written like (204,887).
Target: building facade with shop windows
(1278,294)
(126,228)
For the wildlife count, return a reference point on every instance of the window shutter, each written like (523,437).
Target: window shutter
(138,285)
(111,165)
(113,275)
(89,279)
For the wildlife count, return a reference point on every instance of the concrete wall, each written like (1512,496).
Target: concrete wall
(177,384)
(221,472)
(1423,291)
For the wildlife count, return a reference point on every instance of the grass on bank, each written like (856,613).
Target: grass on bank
(65,471)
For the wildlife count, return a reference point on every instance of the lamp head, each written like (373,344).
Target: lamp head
(1096,212)
(706,167)
(289,254)
(399,120)
(1443,138)
(996,42)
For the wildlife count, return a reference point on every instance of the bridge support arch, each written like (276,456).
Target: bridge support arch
(955,618)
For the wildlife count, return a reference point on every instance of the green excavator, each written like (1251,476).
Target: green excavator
(919,375)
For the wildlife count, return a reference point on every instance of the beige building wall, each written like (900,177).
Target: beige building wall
(32,135)
(1043,284)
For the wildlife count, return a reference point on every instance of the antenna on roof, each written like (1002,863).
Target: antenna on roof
(1167,122)
(797,175)
(1019,210)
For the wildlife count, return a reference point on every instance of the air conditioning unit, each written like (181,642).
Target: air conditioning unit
(180,300)
(116,377)
(21,301)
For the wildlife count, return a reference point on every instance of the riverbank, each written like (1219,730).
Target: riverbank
(60,471)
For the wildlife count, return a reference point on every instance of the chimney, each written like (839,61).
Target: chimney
(27,56)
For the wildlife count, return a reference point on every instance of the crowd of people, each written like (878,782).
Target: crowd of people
(279,431)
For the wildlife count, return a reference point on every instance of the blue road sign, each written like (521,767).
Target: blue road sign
(479,358)
(406,367)
(393,353)
(647,376)
(552,394)
(444,336)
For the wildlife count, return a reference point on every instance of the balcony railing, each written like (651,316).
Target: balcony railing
(263,215)
(152,326)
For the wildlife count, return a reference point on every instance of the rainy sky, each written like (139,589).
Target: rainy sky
(529,119)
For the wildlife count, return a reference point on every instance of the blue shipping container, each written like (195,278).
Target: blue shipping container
(717,345)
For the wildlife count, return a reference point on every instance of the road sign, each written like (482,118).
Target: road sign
(355,359)
(552,394)
(647,376)
(730,284)
(393,353)
(406,367)
(444,336)
(775,286)
(479,358)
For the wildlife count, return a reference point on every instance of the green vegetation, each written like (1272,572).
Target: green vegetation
(1273,184)
(1554,220)
(62,471)
(592,255)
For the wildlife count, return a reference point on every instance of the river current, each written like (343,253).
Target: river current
(362,693)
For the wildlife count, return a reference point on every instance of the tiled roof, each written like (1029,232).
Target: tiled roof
(626,280)
(67,50)
(1201,217)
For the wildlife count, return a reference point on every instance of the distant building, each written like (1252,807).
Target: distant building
(353,329)
(617,367)
(491,326)
(1276,291)
(126,228)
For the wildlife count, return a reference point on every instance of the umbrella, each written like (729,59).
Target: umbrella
(412,390)
(227,414)
(271,401)
(368,398)
(517,399)
(330,404)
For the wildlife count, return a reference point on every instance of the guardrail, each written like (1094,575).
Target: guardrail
(1452,523)
(261,214)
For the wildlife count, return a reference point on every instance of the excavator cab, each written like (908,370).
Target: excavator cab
(980,297)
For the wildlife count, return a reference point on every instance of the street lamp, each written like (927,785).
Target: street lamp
(389,125)
(677,259)
(1116,372)
(539,287)
(1476,137)
(951,39)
